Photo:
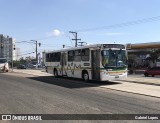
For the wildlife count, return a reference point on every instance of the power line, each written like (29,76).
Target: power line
(131,23)
(22,54)
(26,54)
(42,38)
(69,38)
(27,51)
(120,25)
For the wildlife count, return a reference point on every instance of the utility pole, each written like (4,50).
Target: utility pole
(81,43)
(76,40)
(1,38)
(36,53)
(12,56)
(13,50)
(35,42)
(36,49)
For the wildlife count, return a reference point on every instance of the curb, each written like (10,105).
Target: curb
(146,83)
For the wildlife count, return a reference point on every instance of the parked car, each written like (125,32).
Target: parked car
(33,64)
(152,71)
(21,66)
(29,65)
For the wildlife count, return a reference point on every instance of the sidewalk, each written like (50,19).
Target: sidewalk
(141,79)
(139,84)
(140,89)
(137,71)
(38,72)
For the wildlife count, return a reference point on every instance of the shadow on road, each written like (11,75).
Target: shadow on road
(71,82)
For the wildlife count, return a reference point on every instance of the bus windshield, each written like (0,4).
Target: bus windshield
(114,58)
(3,60)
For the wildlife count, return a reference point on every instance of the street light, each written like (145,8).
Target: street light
(35,42)
(32,41)
(13,49)
(36,50)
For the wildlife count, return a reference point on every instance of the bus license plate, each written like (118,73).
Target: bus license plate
(116,76)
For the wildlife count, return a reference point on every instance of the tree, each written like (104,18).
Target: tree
(131,62)
(154,55)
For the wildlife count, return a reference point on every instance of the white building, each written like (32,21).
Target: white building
(7,47)
(17,54)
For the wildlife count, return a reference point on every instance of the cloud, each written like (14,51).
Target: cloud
(55,33)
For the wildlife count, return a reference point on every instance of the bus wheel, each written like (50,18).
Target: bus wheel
(55,73)
(46,70)
(85,76)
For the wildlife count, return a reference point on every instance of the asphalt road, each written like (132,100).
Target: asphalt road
(32,94)
(49,95)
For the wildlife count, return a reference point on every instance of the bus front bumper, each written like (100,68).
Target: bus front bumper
(108,77)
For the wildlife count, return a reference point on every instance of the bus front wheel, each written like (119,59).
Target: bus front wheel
(85,76)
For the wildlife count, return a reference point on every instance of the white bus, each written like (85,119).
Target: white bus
(91,62)
(4,65)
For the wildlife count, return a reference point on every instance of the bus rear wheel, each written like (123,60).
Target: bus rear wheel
(85,76)
(55,73)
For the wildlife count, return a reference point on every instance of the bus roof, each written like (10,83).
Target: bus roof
(81,47)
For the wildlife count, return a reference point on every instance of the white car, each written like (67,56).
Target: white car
(4,65)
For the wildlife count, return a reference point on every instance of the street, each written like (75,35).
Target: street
(29,94)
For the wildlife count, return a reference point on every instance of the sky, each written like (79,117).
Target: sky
(49,22)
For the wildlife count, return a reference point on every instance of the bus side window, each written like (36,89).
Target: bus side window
(52,57)
(85,54)
(57,57)
(77,56)
(47,56)
(70,55)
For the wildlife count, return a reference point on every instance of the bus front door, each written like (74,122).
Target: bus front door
(95,64)
(63,64)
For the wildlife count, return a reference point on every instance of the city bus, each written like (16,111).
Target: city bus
(4,65)
(91,62)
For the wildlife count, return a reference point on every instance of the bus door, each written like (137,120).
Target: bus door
(63,63)
(95,54)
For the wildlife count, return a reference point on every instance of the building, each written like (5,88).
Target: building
(142,53)
(7,47)
(17,54)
